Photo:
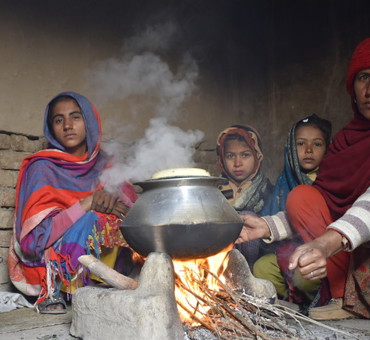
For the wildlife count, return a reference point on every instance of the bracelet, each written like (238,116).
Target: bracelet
(345,243)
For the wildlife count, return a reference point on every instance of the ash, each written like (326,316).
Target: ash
(309,332)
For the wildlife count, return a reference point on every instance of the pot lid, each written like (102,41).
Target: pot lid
(180,172)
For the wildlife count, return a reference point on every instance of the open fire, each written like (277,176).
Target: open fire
(192,277)
(218,293)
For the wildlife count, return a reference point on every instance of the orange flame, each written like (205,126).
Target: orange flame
(191,276)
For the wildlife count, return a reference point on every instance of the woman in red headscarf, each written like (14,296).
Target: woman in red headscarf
(333,215)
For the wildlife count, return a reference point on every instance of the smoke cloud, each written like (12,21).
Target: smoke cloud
(140,71)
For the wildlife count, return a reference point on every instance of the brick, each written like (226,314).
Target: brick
(5,236)
(4,276)
(6,218)
(8,178)
(7,197)
(25,144)
(11,160)
(4,141)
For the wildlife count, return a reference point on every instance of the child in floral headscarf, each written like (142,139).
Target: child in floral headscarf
(240,158)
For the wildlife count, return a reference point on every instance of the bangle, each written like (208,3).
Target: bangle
(344,242)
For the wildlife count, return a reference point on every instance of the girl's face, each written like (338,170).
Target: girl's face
(69,127)
(311,147)
(239,160)
(362,92)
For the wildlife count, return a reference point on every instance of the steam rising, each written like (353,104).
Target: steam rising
(141,72)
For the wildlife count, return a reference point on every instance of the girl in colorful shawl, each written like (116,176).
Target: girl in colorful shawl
(305,148)
(240,158)
(62,210)
(332,216)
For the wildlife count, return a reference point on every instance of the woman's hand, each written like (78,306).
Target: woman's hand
(104,202)
(100,201)
(120,209)
(253,228)
(310,258)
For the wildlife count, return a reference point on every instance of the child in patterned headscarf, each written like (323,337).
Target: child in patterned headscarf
(240,158)
(305,148)
(307,142)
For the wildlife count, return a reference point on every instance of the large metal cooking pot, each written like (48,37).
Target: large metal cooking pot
(186,218)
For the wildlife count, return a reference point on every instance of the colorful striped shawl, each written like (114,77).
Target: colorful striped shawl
(50,181)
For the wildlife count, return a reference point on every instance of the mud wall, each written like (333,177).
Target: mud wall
(263,63)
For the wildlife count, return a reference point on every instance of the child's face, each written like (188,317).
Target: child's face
(311,147)
(69,127)
(239,160)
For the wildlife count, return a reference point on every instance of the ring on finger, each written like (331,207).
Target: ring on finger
(311,275)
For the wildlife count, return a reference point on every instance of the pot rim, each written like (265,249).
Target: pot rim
(181,181)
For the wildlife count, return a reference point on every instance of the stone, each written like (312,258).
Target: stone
(148,312)
(239,276)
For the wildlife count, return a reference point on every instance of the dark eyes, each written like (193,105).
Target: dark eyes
(59,120)
(76,116)
(317,144)
(233,155)
(363,76)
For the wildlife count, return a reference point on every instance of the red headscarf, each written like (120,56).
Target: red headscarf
(345,170)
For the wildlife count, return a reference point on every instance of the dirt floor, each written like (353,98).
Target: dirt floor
(25,323)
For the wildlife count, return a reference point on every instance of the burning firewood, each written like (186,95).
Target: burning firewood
(233,314)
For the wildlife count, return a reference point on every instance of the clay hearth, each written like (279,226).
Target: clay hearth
(149,311)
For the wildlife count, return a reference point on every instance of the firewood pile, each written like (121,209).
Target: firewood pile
(232,314)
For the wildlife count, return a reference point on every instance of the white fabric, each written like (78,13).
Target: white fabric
(10,301)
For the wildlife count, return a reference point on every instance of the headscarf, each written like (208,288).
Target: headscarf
(292,175)
(251,138)
(54,178)
(256,186)
(91,119)
(359,61)
(50,181)
(345,170)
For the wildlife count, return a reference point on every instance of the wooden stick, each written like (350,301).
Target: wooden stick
(107,274)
